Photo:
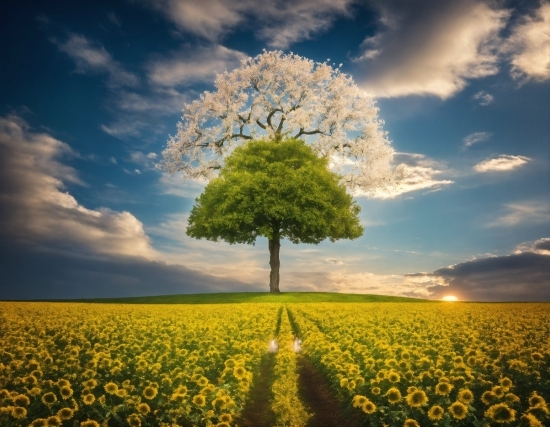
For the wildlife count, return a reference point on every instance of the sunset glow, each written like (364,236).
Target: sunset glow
(449,298)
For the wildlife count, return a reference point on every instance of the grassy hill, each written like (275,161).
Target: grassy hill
(256,297)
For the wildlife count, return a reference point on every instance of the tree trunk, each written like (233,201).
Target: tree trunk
(274,262)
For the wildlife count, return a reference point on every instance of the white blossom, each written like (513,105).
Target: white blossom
(274,96)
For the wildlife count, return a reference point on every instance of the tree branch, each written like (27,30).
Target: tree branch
(307,132)
(270,115)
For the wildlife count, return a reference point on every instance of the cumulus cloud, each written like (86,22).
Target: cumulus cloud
(522,276)
(529,46)
(483,98)
(430,48)
(420,173)
(281,22)
(531,212)
(476,137)
(198,65)
(90,58)
(35,208)
(501,163)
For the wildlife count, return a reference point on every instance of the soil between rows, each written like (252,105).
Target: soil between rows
(315,393)
(257,412)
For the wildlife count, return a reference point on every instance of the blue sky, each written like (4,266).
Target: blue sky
(92,91)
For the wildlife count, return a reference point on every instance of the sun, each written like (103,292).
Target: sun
(449,298)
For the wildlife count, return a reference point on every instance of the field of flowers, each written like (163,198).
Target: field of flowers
(442,364)
(393,364)
(111,365)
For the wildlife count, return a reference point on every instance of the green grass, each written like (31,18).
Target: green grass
(256,297)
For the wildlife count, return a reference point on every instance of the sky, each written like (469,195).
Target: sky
(92,91)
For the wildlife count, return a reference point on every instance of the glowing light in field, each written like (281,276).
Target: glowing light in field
(449,298)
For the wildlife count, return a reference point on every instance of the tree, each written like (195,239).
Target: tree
(274,96)
(280,190)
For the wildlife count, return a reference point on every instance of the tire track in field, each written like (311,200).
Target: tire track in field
(316,394)
(257,412)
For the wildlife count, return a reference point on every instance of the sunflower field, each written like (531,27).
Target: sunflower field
(108,364)
(442,364)
(388,364)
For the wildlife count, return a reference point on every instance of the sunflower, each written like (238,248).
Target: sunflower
(53,421)
(537,357)
(417,398)
(226,418)
(21,400)
(393,395)
(223,424)
(506,383)
(443,389)
(381,375)
(375,390)
(121,392)
(488,397)
(239,372)
(529,420)
(150,392)
(65,413)
(143,408)
(202,381)
(359,400)
(536,401)
(394,377)
(111,388)
(498,391)
(435,413)
(501,413)
(49,398)
(511,398)
(465,396)
(368,407)
(88,399)
(458,410)
(66,392)
(39,422)
(35,391)
(63,383)
(409,422)
(18,412)
(134,420)
(199,400)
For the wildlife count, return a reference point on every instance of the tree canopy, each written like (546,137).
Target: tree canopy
(283,188)
(274,96)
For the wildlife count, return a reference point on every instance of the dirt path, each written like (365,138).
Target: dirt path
(257,412)
(315,393)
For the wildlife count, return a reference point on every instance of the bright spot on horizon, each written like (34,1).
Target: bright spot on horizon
(449,298)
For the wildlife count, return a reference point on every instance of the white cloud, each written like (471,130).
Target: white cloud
(483,98)
(420,172)
(37,210)
(90,58)
(430,48)
(476,137)
(198,65)
(529,46)
(531,212)
(540,246)
(280,23)
(502,163)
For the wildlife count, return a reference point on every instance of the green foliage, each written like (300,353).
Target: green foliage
(268,188)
